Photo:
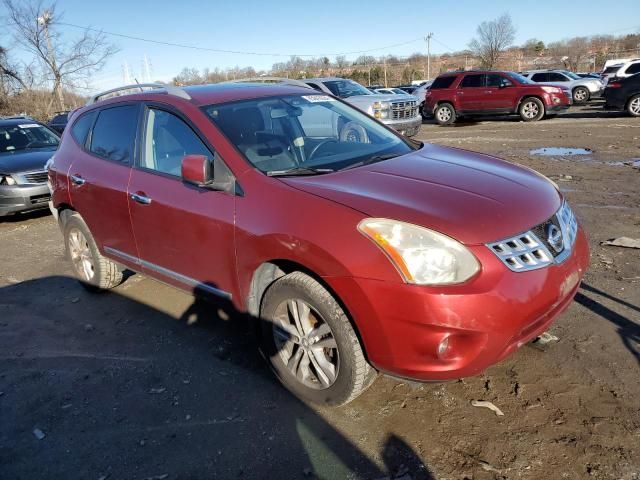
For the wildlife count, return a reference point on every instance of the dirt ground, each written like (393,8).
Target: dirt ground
(141,383)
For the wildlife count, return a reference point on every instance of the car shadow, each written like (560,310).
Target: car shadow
(122,389)
(628,330)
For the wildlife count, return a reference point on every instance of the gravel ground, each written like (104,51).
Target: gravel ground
(145,383)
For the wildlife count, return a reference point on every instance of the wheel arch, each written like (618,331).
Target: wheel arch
(270,271)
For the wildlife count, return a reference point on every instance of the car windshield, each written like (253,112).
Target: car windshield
(304,134)
(520,78)
(24,136)
(346,88)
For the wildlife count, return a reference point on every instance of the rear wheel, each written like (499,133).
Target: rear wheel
(94,271)
(581,95)
(531,109)
(633,106)
(445,114)
(311,344)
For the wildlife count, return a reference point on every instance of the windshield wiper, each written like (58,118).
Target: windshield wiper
(370,160)
(299,171)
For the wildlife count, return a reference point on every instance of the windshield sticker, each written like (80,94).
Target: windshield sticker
(29,125)
(318,98)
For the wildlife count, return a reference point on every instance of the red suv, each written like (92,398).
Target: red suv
(356,249)
(457,94)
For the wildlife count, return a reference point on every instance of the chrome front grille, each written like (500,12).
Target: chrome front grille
(35,177)
(547,243)
(404,110)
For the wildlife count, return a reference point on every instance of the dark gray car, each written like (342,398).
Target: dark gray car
(25,148)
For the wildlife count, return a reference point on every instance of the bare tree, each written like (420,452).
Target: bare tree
(572,53)
(492,39)
(36,28)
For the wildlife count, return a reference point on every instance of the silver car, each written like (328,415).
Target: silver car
(395,111)
(25,148)
(582,89)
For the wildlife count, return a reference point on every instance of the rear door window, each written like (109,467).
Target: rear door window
(443,82)
(81,127)
(472,81)
(114,133)
(540,77)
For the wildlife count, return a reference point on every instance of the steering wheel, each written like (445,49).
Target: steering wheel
(320,145)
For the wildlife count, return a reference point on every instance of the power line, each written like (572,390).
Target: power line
(237,52)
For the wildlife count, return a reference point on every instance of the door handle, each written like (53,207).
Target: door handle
(78,180)
(140,198)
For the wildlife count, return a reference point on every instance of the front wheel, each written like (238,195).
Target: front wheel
(581,95)
(531,110)
(311,344)
(445,114)
(633,107)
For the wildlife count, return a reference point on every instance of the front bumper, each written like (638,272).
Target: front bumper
(23,198)
(408,128)
(486,319)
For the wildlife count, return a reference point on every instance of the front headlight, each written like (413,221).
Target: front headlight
(551,89)
(381,109)
(6,180)
(422,256)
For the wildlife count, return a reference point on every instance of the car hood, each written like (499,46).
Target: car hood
(472,197)
(365,102)
(25,160)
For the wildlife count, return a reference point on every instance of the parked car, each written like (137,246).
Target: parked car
(354,254)
(589,75)
(400,114)
(492,93)
(624,94)
(408,88)
(623,70)
(390,91)
(59,121)
(582,89)
(25,148)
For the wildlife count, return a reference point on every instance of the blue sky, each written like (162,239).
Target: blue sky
(293,27)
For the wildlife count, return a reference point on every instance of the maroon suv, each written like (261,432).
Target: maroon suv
(355,249)
(457,94)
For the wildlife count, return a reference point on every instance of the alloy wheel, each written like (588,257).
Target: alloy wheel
(444,114)
(580,95)
(306,344)
(531,110)
(634,106)
(81,255)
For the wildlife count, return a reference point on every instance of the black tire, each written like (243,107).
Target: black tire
(352,374)
(633,106)
(531,109)
(581,95)
(426,115)
(445,114)
(100,273)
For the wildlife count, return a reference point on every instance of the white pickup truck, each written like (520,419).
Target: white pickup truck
(399,112)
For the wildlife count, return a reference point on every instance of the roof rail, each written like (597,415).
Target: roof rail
(273,80)
(116,92)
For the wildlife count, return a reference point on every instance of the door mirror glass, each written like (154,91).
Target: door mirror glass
(196,169)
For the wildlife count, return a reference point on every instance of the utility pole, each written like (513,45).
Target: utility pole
(385,71)
(45,20)
(428,40)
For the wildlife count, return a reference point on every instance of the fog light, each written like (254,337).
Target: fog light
(443,348)
(377,114)
(556,100)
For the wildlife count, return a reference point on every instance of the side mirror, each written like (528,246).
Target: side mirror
(196,169)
